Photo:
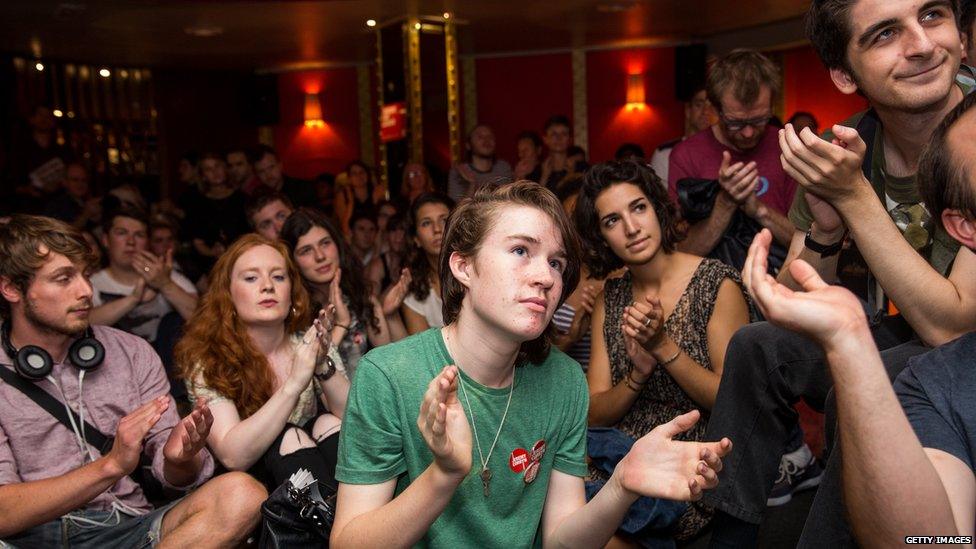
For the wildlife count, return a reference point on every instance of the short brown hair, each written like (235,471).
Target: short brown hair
(26,243)
(744,72)
(941,181)
(471,221)
(261,199)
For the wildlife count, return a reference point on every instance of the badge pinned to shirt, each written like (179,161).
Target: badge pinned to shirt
(519,460)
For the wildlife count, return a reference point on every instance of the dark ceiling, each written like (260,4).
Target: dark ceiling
(279,34)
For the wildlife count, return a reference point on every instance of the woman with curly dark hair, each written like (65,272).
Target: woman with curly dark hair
(265,381)
(333,275)
(659,332)
(422,305)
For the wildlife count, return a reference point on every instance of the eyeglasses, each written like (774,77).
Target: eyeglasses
(738,124)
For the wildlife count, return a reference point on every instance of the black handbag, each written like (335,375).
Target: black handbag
(696,198)
(296,515)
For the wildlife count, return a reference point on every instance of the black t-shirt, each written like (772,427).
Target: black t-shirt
(938,393)
(300,192)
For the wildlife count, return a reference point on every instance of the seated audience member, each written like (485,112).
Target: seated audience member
(325,185)
(361,195)
(558,137)
(481,168)
(967,22)
(659,332)
(362,237)
(385,268)
(138,288)
(699,116)
(241,172)
(422,306)
(215,217)
(384,212)
(267,211)
(529,149)
(75,204)
(245,353)
(333,276)
(803,119)
(57,488)
(34,164)
(933,464)
(915,263)
(268,168)
(497,453)
(572,318)
(742,154)
(629,151)
(416,181)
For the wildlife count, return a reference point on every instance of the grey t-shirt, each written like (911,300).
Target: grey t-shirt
(938,393)
(458,187)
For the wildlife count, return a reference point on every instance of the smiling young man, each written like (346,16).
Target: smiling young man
(904,57)
(57,489)
(496,456)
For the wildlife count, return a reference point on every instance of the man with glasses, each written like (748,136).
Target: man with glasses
(754,191)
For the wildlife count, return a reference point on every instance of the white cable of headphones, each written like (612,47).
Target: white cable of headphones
(79,431)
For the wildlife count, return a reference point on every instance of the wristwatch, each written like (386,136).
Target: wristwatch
(825,250)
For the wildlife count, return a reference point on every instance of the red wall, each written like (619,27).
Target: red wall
(520,93)
(307,152)
(807,87)
(611,123)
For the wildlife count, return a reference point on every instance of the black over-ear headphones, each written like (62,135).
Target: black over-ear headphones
(34,363)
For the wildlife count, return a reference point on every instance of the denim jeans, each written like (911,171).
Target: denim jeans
(116,530)
(767,370)
(648,520)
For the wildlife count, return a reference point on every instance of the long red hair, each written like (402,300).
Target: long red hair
(215,345)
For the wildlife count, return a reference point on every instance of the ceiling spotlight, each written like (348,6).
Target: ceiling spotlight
(417,26)
(57,113)
(105,73)
(371,22)
(447,15)
(39,66)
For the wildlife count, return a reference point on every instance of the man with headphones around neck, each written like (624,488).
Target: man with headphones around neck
(57,488)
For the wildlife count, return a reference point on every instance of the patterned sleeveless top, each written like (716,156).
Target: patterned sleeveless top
(662,398)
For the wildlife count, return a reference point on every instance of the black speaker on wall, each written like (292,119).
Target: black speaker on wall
(259,100)
(689,70)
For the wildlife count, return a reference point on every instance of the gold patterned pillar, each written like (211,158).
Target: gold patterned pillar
(469,79)
(580,126)
(453,105)
(381,169)
(364,100)
(414,104)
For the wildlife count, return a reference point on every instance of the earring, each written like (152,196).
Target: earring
(294,311)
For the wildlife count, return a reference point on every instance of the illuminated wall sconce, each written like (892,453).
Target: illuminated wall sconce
(635,92)
(313,111)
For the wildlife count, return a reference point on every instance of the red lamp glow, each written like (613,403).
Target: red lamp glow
(635,91)
(313,111)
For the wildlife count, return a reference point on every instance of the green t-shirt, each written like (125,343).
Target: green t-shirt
(901,199)
(380,439)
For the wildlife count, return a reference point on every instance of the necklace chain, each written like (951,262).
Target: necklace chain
(474,428)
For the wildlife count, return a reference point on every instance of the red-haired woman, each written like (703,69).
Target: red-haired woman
(245,352)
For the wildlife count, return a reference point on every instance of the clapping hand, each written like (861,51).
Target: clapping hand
(831,171)
(643,321)
(822,312)
(131,432)
(738,180)
(658,466)
(342,315)
(395,293)
(189,436)
(444,425)
(584,312)
(154,269)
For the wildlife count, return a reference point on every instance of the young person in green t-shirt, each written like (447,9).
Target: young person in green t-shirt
(496,455)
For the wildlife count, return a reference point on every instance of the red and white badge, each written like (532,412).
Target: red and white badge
(531,472)
(518,460)
(538,450)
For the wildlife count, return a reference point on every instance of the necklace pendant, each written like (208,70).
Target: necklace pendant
(486,480)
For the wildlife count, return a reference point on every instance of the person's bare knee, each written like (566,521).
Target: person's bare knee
(232,500)
(295,439)
(325,425)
